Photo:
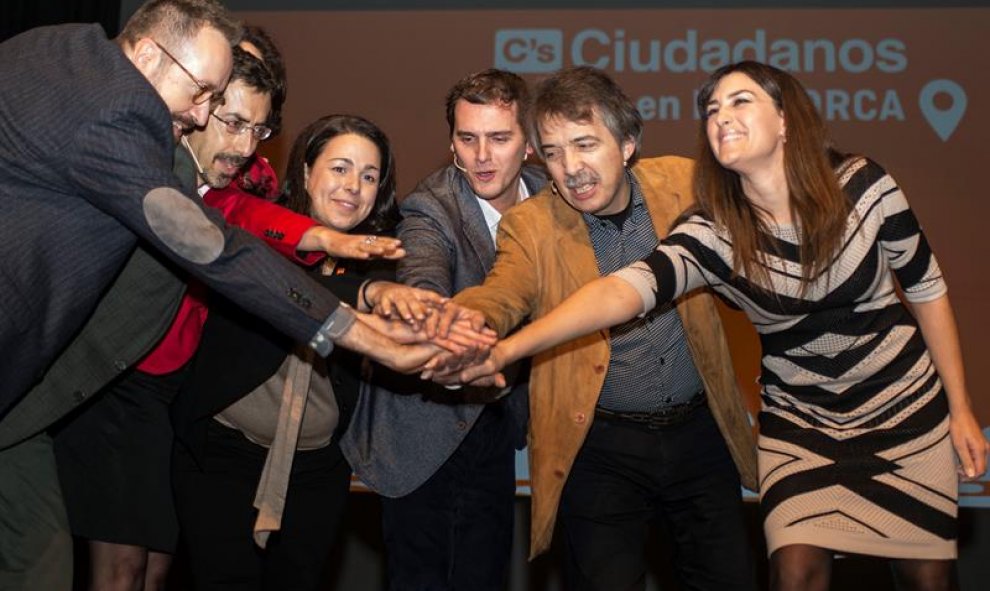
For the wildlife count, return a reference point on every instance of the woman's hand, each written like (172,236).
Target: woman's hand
(970,444)
(394,300)
(351,246)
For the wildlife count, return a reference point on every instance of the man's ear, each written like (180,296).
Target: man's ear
(529,151)
(628,149)
(145,55)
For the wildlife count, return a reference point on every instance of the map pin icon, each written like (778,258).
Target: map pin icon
(943,121)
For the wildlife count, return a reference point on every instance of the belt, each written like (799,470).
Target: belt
(665,417)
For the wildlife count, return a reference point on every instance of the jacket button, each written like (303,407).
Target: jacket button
(560,473)
(119,364)
(79,395)
(461,425)
(580,417)
(599,368)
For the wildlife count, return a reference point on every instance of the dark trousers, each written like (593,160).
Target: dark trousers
(455,532)
(680,477)
(216,514)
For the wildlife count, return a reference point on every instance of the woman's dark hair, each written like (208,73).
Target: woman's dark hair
(818,205)
(307,148)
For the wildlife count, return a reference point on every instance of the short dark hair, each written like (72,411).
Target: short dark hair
(174,22)
(252,72)
(272,58)
(309,145)
(490,87)
(578,94)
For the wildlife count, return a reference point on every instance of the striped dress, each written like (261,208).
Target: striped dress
(854,447)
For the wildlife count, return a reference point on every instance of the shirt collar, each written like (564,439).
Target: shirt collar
(492,215)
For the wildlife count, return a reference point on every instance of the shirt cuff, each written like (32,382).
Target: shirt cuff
(335,326)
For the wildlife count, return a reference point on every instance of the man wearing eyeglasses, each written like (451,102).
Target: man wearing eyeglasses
(131,526)
(87,132)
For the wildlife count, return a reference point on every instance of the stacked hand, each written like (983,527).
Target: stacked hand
(418,346)
(450,344)
(451,368)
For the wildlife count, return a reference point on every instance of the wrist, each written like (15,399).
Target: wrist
(369,293)
(328,239)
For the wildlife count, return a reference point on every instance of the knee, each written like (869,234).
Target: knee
(123,571)
(925,575)
(799,571)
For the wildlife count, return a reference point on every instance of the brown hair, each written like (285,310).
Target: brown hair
(577,94)
(173,22)
(817,202)
(490,87)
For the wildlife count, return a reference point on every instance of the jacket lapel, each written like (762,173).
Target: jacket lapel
(662,200)
(575,253)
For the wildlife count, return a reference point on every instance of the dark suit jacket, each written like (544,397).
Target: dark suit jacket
(396,442)
(85,170)
(137,310)
(129,320)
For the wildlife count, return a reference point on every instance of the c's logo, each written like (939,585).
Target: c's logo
(529,51)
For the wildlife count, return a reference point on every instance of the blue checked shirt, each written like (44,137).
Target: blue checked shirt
(650,366)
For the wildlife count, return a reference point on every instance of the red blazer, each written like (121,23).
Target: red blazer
(277,226)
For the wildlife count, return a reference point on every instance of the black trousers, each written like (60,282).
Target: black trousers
(455,532)
(680,477)
(216,515)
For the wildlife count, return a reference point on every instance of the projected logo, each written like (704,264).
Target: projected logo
(942,102)
(529,51)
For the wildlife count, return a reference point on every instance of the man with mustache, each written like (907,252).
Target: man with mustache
(446,469)
(87,133)
(641,424)
(132,530)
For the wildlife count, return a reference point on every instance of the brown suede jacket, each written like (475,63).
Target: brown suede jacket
(544,255)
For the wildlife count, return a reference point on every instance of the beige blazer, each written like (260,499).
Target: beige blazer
(545,254)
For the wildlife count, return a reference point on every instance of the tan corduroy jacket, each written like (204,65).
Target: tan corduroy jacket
(545,254)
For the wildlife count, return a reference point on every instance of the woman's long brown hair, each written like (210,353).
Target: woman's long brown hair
(817,202)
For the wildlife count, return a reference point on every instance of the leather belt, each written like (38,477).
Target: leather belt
(665,417)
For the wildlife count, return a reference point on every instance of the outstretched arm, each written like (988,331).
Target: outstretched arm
(604,302)
(938,327)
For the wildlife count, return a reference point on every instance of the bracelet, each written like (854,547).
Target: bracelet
(364,294)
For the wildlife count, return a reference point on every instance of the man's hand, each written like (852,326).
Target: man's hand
(474,370)
(351,246)
(461,339)
(452,316)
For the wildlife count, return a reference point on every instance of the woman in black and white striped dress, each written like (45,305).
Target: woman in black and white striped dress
(864,398)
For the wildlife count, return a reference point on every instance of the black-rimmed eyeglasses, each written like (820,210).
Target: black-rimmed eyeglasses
(204,92)
(238,127)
